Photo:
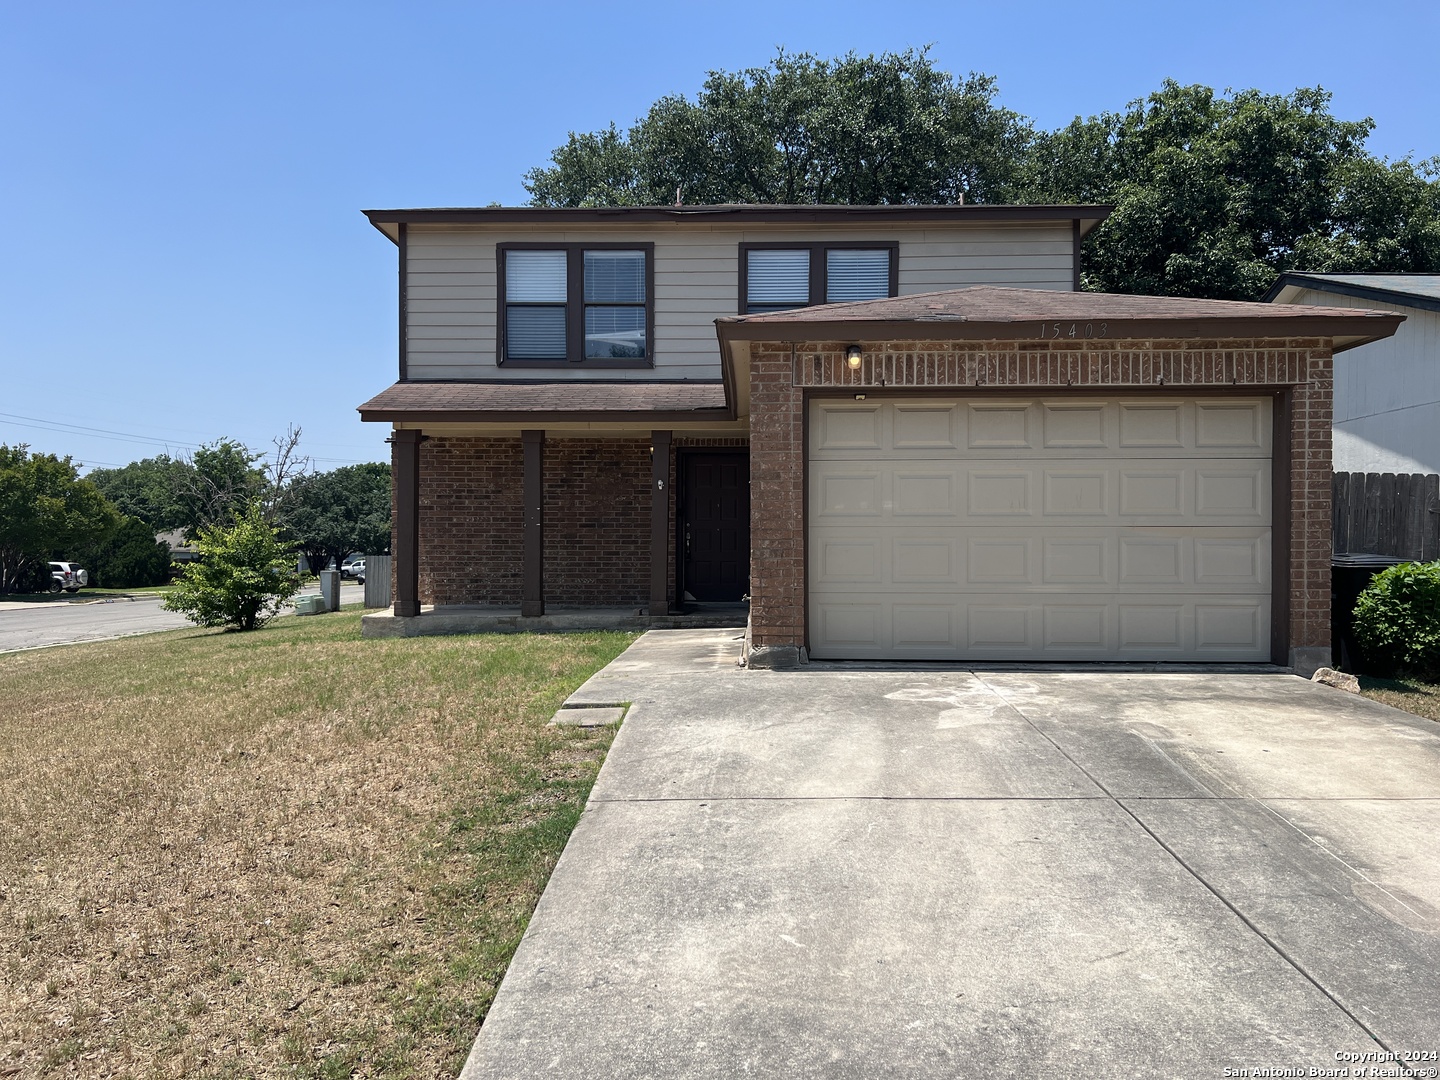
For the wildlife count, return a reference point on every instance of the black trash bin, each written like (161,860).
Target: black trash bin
(1350,573)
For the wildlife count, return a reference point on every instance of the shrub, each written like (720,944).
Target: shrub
(1397,619)
(131,559)
(244,574)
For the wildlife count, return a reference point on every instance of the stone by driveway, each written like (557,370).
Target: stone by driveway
(845,873)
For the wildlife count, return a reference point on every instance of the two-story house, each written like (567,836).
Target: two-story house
(900,431)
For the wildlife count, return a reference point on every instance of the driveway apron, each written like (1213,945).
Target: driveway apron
(842,872)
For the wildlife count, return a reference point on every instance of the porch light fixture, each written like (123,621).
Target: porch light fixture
(852,357)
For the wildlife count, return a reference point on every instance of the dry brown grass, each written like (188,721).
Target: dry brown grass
(1412,695)
(284,853)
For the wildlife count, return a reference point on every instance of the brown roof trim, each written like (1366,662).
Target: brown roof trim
(532,402)
(1088,216)
(1366,327)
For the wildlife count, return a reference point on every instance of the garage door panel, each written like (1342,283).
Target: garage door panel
(852,561)
(1078,560)
(925,427)
(849,494)
(1026,430)
(1076,427)
(999,426)
(1041,529)
(848,428)
(1005,627)
(923,494)
(999,560)
(1236,491)
(1042,559)
(1242,426)
(1151,426)
(919,560)
(1210,492)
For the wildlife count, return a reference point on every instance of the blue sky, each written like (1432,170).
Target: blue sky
(184,255)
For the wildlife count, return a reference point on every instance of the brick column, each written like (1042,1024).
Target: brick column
(532,574)
(1310,514)
(777,500)
(659,523)
(405,467)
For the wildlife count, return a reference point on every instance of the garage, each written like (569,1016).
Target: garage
(1051,528)
(1021,475)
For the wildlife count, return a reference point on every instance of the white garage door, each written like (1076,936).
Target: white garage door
(1049,529)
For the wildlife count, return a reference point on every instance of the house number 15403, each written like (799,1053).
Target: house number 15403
(1073,330)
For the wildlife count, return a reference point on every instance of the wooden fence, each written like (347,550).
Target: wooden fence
(1388,514)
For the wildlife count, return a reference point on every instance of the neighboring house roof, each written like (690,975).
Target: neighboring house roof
(512,401)
(990,312)
(1087,217)
(1409,290)
(175,540)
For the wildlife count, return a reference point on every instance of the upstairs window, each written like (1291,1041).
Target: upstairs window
(778,277)
(576,303)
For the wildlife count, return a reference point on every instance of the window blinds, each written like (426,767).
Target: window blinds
(776,280)
(856,275)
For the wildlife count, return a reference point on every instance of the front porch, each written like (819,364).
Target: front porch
(438,620)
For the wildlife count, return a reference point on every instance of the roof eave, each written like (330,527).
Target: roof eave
(538,418)
(1295,280)
(1356,330)
(1088,215)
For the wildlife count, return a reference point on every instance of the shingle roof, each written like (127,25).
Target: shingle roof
(995,312)
(500,402)
(1410,290)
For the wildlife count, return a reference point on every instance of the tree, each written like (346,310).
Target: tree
(131,558)
(243,577)
(329,515)
(1215,195)
(46,510)
(886,129)
(151,490)
(223,480)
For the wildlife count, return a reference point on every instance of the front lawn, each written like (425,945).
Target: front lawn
(284,853)
(1412,695)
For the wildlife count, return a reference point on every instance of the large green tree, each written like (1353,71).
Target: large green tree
(1217,194)
(857,129)
(46,511)
(1214,194)
(129,559)
(328,515)
(153,490)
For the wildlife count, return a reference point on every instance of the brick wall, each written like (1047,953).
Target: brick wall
(470,520)
(597,521)
(779,374)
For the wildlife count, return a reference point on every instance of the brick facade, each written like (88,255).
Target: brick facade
(597,519)
(780,374)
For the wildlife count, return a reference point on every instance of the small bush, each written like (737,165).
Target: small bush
(244,575)
(1397,620)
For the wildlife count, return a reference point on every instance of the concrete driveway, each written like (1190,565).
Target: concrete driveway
(940,873)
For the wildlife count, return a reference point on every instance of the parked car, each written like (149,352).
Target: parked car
(67,576)
(354,567)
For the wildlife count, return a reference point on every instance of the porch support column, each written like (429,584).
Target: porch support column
(532,563)
(659,523)
(405,465)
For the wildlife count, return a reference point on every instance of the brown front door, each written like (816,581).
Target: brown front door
(715,526)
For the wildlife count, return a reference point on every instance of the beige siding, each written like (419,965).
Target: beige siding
(453,298)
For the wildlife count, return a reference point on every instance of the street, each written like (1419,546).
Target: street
(28,625)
